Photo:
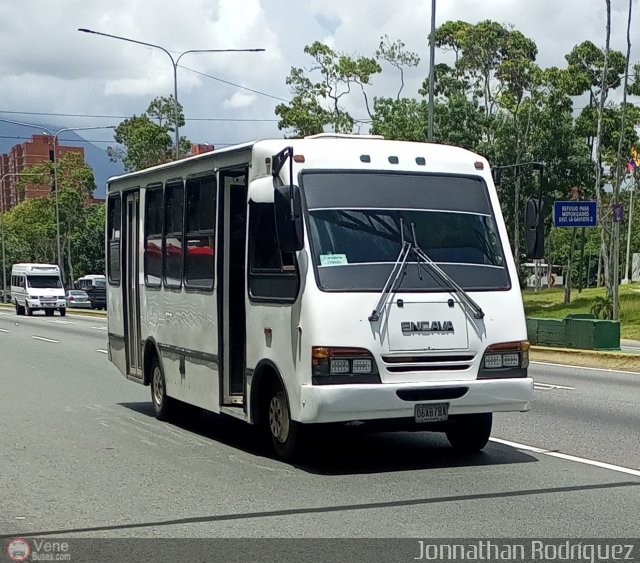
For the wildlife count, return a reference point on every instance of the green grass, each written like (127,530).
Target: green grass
(549,303)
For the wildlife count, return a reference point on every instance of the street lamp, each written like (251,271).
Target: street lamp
(55,169)
(174,62)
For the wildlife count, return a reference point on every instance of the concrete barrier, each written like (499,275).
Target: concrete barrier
(584,332)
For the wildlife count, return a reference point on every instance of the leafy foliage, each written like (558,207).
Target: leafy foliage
(147,139)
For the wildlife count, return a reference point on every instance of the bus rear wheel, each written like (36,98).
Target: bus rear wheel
(163,405)
(470,433)
(286,434)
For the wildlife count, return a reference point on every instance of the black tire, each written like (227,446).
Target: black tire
(286,434)
(28,309)
(470,433)
(63,312)
(49,312)
(19,309)
(163,406)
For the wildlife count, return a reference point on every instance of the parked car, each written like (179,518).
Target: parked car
(78,299)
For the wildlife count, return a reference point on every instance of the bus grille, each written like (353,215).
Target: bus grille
(413,363)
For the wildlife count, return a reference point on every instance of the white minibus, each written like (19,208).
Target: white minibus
(330,279)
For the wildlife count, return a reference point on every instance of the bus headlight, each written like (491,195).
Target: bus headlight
(342,365)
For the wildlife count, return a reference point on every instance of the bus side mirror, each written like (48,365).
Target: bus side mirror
(288,210)
(534,224)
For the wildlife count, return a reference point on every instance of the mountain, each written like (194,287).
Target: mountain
(96,157)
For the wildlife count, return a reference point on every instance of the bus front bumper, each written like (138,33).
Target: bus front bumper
(349,403)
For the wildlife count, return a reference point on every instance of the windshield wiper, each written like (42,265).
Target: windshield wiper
(392,280)
(478,313)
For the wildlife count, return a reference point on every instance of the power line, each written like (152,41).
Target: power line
(18,138)
(88,115)
(236,85)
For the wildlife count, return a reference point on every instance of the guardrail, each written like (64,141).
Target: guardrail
(585,332)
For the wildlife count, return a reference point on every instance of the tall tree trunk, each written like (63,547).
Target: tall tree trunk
(619,174)
(70,262)
(603,96)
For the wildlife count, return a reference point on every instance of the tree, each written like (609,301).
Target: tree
(397,57)
(35,220)
(143,142)
(318,104)
(89,242)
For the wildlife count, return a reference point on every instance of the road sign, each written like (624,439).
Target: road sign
(618,212)
(575,214)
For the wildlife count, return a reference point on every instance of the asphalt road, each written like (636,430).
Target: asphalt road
(82,456)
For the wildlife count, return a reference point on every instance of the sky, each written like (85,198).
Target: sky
(53,74)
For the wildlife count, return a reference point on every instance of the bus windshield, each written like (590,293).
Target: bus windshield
(357,223)
(42,282)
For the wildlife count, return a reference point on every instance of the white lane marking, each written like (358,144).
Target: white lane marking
(3,330)
(548,386)
(568,457)
(102,351)
(584,367)
(58,322)
(5,314)
(45,339)
(99,327)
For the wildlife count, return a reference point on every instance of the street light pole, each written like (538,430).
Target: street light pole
(55,170)
(174,63)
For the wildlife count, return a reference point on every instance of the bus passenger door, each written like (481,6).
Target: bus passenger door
(131,287)
(233,185)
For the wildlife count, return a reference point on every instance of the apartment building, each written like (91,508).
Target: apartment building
(39,149)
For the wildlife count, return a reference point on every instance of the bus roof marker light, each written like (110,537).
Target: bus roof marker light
(479,165)
(393,160)
(365,158)
(298,158)
(420,160)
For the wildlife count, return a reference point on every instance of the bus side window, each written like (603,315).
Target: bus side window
(153,237)
(200,224)
(114,215)
(273,274)
(173,227)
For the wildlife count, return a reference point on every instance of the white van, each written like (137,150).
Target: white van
(37,287)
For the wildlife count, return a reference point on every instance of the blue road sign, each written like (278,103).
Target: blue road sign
(575,214)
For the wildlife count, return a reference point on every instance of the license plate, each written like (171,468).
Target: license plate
(434,412)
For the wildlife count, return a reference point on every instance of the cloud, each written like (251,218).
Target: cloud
(239,100)
(49,67)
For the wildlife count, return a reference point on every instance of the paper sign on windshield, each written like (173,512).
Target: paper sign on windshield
(333,259)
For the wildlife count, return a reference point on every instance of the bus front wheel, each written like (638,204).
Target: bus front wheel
(286,434)
(19,309)
(470,433)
